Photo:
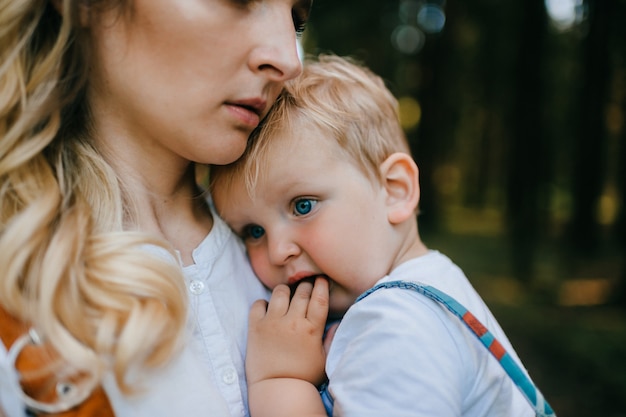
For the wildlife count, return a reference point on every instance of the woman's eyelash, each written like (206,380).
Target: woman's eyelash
(300,27)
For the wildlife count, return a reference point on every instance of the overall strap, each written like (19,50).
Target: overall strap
(513,370)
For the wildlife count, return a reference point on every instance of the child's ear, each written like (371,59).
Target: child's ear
(401,182)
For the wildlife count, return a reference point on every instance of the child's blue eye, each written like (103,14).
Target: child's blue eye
(254,231)
(304,206)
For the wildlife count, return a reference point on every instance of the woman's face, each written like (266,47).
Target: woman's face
(189,79)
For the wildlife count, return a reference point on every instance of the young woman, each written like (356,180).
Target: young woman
(111,255)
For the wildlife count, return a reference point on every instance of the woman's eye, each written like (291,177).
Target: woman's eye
(300,15)
(254,231)
(299,23)
(303,206)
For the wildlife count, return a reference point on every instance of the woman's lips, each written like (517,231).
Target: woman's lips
(245,115)
(248,111)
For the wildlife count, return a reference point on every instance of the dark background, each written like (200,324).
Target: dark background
(515,113)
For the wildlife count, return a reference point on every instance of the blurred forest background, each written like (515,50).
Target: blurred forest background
(515,111)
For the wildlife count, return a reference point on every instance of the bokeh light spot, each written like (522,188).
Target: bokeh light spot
(407,39)
(431,18)
(410,112)
(564,13)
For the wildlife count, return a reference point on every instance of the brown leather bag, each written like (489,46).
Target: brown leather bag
(32,364)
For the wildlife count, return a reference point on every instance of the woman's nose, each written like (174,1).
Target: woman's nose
(277,53)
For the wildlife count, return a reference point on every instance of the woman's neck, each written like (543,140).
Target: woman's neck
(182,217)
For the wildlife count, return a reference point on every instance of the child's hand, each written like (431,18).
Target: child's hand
(285,337)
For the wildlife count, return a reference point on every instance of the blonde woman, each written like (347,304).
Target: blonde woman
(116,273)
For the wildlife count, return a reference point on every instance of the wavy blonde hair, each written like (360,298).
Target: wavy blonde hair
(69,267)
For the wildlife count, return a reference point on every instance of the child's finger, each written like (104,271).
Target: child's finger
(301,298)
(317,311)
(279,302)
(258,310)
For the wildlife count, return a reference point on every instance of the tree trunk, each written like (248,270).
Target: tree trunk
(589,168)
(527,158)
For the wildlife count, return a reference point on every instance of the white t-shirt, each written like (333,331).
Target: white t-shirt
(208,377)
(398,353)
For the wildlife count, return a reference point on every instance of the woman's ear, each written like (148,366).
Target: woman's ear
(400,177)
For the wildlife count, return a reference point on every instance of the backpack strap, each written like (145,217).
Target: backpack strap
(41,391)
(512,369)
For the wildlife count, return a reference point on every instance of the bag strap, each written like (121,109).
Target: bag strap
(34,363)
(510,366)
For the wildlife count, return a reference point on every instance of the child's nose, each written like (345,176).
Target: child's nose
(283,250)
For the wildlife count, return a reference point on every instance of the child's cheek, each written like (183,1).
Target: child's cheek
(262,268)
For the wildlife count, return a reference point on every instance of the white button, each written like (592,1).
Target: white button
(196,287)
(229,376)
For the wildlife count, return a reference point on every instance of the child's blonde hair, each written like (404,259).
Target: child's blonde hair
(338,98)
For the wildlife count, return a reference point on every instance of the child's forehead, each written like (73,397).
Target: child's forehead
(299,135)
(302,143)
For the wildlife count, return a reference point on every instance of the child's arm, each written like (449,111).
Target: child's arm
(285,358)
